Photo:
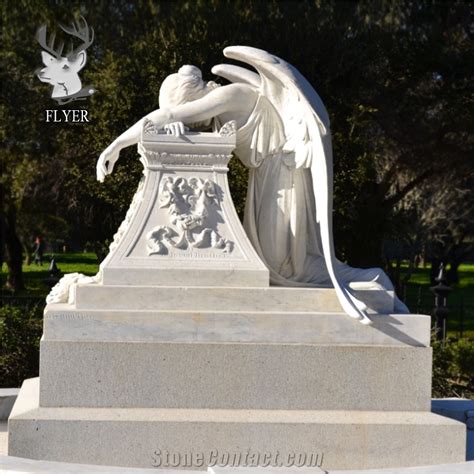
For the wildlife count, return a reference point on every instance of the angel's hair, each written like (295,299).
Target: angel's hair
(184,86)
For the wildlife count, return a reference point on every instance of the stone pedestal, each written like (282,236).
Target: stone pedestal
(182,228)
(180,354)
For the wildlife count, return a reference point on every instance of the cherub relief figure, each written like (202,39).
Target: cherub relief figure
(283,137)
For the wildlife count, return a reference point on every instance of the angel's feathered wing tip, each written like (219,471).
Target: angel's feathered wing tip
(246,53)
(236,74)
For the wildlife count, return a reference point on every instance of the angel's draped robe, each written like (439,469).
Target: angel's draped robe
(280,210)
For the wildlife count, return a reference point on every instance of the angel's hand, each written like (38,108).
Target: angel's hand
(106,161)
(175,128)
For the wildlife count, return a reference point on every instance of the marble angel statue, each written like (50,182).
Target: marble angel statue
(283,137)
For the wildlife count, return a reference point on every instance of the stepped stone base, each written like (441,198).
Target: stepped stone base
(210,298)
(63,322)
(195,438)
(182,389)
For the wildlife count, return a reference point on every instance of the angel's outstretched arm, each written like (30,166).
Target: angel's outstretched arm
(234,97)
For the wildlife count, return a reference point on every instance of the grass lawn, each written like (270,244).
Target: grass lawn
(34,275)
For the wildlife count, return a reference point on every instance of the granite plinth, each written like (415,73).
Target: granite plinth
(333,439)
(235,376)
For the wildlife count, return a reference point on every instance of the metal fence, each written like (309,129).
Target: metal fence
(460,318)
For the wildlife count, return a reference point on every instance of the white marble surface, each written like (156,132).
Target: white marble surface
(182,227)
(215,298)
(282,134)
(65,322)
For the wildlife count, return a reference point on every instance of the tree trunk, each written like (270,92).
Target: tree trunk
(452,274)
(368,234)
(434,271)
(13,254)
(3,229)
(101,250)
(27,252)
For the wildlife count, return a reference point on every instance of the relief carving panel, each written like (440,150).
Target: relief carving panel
(194,212)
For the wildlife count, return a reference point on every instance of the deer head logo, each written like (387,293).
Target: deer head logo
(62,72)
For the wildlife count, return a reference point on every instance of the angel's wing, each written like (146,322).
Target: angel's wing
(237,74)
(307,130)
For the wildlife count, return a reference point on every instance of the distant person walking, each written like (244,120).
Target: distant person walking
(39,250)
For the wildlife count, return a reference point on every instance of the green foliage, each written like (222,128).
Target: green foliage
(386,71)
(20,333)
(238,177)
(453,368)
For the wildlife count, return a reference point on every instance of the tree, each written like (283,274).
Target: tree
(441,222)
(412,122)
(394,75)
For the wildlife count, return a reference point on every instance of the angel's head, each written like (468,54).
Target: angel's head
(184,86)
